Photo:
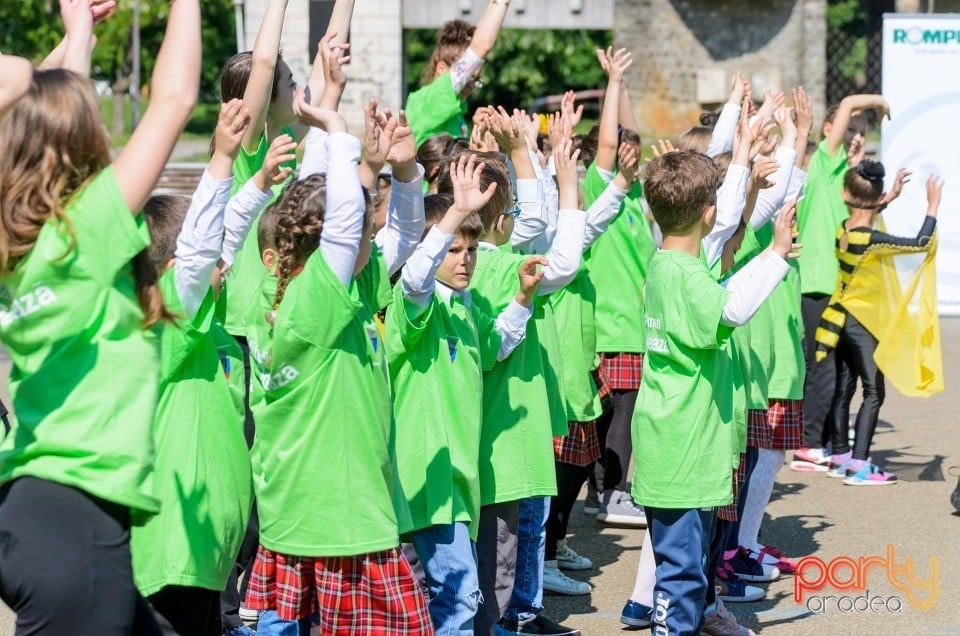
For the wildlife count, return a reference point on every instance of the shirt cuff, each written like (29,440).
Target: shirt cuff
(515,316)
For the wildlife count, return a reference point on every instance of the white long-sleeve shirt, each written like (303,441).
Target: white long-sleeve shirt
(314,154)
(405,222)
(731,198)
(770,200)
(419,284)
(346,207)
(200,241)
(751,286)
(245,206)
(721,140)
(532,222)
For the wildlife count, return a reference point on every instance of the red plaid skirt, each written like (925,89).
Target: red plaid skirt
(622,370)
(758,431)
(580,446)
(786,424)
(600,380)
(372,593)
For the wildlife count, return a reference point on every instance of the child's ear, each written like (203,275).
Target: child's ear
(269,258)
(169,264)
(498,225)
(709,216)
(827,127)
(442,68)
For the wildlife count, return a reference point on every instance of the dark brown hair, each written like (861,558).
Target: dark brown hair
(54,143)
(494,171)
(864,184)
(590,141)
(436,205)
(431,152)
(292,226)
(234,77)
(164,215)
(452,40)
(678,187)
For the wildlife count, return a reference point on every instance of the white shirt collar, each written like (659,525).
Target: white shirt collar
(446,293)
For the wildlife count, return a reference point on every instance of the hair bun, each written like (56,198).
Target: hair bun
(709,119)
(871,170)
(455,33)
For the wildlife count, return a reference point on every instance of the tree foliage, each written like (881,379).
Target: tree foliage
(524,65)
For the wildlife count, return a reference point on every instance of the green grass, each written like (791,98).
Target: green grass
(201,125)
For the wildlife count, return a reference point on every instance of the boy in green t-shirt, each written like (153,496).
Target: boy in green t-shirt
(438,344)
(684,410)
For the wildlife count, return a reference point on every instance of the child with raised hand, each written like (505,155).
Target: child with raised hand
(17,74)
(315,348)
(819,214)
(626,246)
(77,468)
(183,556)
(438,343)
(683,470)
(452,74)
(850,324)
(516,461)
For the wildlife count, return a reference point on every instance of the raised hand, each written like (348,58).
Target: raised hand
(468,197)
(558,129)
(784,232)
(772,100)
(282,150)
(334,58)
(231,124)
(318,116)
(570,114)
(102,9)
(506,131)
(803,107)
(627,162)
(788,128)
(618,63)
(902,178)
(530,273)
(378,135)
(738,89)
(662,147)
(762,169)
(565,159)
(934,194)
(403,150)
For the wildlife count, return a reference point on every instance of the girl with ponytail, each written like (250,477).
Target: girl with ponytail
(452,74)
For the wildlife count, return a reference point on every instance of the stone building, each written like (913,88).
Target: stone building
(686,50)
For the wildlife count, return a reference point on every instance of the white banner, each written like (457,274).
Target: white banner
(921,81)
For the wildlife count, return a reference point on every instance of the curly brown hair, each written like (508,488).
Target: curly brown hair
(292,226)
(54,143)
(452,40)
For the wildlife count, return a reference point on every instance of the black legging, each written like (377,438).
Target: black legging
(570,480)
(855,350)
(821,377)
(187,611)
(65,563)
(616,444)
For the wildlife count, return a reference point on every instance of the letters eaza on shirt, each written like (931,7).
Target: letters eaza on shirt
(654,343)
(270,381)
(12,310)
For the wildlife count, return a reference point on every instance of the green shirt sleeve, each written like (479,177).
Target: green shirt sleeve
(488,340)
(101,218)
(702,303)
(317,306)
(411,320)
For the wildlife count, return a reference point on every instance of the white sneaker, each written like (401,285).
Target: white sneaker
(248,615)
(568,559)
(559,583)
(619,509)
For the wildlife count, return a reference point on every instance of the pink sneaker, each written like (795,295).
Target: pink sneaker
(723,623)
(774,557)
(810,460)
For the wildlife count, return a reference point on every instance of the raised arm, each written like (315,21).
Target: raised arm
(921,241)
(173,94)
(614,64)
(405,216)
(263,66)
(488,28)
(605,209)
(848,106)
(566,252)
(770,199)
(721,140)
(16,75)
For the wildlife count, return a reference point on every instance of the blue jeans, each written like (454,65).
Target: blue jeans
(270,624)
(449,561)
(527,600)
(681,543)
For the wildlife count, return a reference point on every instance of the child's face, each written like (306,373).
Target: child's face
(458,265)
(281,108)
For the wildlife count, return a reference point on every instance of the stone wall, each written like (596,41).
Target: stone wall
(686,51)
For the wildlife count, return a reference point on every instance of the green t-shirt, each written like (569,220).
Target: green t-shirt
(231,359)
(684,413)
(819,214)
(516,440)
(436,108)
(573,307)
(437,359)
(326,414)
(202,472)
(85,375)
(781,332)
(738,348)
(243,279)
(618,263)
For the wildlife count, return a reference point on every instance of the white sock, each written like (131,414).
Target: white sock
(646,573)
(758,496)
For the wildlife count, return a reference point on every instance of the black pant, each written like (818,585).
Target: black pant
(570,480)
(65,563)
(187,611)
(720,532)
(855,350)
(616,444)
(731,538)
(821,378)
(231,598)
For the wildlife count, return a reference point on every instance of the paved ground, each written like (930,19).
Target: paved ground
(813,515)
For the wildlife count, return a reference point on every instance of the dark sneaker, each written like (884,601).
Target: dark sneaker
(538,625)
(635,614)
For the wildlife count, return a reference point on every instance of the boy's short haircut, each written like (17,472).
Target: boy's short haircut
(679,186)
(494,171)
(436,205)
(722,162)
(696,139)
(164,215)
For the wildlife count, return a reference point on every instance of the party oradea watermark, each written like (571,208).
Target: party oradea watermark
(851,579)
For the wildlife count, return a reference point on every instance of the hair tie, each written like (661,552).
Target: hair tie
(871,170)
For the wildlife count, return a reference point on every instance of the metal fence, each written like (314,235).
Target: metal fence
(854,46)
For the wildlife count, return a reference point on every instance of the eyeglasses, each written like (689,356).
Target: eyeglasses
(515,211)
